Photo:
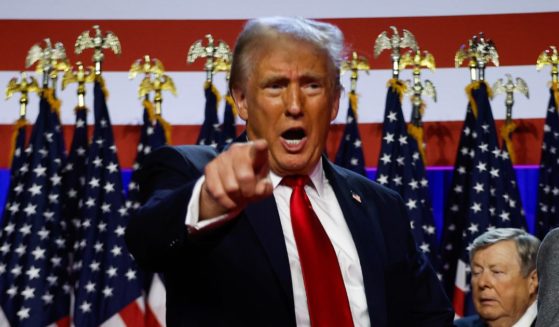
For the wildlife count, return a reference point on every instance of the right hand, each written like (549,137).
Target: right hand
(235,178)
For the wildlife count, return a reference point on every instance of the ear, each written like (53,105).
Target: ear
(533,282)
(241,101)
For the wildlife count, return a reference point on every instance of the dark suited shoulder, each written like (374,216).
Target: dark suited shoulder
(187,161)
(548,275)
(360,182)
(469,321)
(166,180)
(413,293)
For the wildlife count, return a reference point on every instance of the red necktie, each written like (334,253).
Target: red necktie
(326,295)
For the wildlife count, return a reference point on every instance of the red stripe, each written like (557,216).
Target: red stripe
(64,322)
(458,301)
(132,315)
(151,318)
(441,138)
(519,38)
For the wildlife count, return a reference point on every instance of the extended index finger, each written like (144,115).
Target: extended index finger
(259,156)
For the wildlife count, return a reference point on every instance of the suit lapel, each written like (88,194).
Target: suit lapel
(265,220)
(367,237)
(366,233)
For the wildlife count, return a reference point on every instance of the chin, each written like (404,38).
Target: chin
(489,314)
(295,169)
(299,166)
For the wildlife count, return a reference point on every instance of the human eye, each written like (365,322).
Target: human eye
(476,272)
(313,87)
(498,272)
(274,86)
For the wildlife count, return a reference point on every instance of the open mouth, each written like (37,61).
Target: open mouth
(294,140)
(293,136)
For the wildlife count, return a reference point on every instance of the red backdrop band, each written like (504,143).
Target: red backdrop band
(441,139)
(169,40)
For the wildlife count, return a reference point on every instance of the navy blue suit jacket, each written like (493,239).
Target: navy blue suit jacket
(238,274)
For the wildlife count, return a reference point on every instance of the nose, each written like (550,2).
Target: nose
(294,101)
(483,280)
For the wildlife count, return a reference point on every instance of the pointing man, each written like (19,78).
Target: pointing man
(269,232)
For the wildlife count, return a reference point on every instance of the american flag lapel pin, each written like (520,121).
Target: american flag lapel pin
(356,197)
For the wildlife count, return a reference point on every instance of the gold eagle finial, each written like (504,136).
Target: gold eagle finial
(355,64)
(98,42)
(396,43)
(80,76)
(549,57)
(50,60)
(24,86)
(211,52)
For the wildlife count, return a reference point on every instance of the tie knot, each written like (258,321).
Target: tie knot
(295,181)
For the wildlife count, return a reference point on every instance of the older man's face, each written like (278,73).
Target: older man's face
(501,293)
(289,100)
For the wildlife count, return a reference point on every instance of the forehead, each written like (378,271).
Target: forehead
(283,52)
(502,252)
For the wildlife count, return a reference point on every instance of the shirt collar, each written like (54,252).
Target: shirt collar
(316,176)
(528,317)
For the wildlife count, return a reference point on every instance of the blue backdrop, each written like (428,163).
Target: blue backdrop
(439,182)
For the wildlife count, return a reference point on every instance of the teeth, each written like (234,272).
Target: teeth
(293,142)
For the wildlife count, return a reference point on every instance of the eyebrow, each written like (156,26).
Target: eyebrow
(274,79)
(279,78)
(495,265)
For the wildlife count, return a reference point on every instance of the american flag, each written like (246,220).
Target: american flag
(350,152)
(210,132)
(456,204)
(17,160)
(19,138)
(548,185)
(229,130)
(152,136)
(73,174)
(490,201)
(34,287)
(108,289)
(401,168)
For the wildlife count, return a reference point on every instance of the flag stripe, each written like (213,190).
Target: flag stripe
(441,139)
(64,322)
(174,37)
(132,314)
(187,108)
(152,319)
(458,302)
(156,304)
(3,320)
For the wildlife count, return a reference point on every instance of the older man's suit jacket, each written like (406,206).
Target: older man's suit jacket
(470,321)
(238,274)
(476,321)
(548,274)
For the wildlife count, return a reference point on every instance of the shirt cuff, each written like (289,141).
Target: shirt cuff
(192,220)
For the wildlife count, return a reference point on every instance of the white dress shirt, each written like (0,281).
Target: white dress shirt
(528,317)
(326,206)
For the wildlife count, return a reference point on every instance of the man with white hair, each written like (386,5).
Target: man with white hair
(504,279)
(270,232)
